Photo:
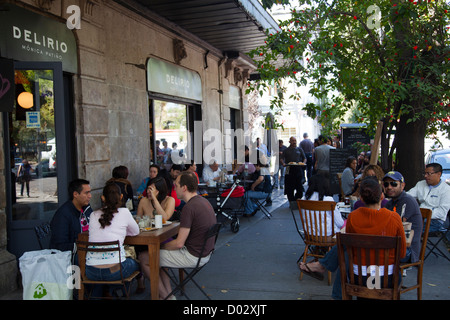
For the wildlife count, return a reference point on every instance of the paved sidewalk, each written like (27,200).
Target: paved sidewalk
(259,263)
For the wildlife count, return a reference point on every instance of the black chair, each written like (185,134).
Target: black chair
(184,275)
(43,234)
(262,202)
(433,245)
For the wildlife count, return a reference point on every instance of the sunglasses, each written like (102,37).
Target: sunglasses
(392,183)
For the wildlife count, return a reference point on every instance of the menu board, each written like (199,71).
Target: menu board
(338,158)
(352,135)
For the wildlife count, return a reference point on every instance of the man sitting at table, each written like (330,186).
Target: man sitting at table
(197,217)
(371,219)
(433,193)
(408,209)
(211,173)
(72,217)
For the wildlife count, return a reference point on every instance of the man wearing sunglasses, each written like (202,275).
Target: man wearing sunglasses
(434,194)
(408,209)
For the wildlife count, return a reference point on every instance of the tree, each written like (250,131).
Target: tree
(390,61)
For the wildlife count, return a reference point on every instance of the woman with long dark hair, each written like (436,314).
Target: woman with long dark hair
(157,201)
(112,222)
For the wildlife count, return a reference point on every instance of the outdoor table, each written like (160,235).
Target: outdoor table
(153,240)
(345,210)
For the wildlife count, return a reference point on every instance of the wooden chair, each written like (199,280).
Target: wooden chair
(314,217)
(358,248)
(426,217)
(83,247)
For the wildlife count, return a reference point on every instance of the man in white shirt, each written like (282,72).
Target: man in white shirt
(433,193)
(211,173)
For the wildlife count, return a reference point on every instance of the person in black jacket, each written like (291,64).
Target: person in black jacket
(72,217)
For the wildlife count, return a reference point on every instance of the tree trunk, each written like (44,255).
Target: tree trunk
(384,155)
(410,150)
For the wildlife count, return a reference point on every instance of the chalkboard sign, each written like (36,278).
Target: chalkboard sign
(338,158)
(352,135)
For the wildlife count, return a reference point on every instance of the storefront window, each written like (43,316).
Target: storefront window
(171,133)
(33,146)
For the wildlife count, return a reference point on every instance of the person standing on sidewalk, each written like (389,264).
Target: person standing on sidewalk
(295,175)
(322,156)
(308,148)
(281,168)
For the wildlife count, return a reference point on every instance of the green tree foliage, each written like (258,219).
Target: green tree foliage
(389,58)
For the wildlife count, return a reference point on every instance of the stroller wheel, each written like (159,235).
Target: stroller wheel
(235,226)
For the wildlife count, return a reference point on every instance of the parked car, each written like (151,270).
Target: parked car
(443,158)
(43,169)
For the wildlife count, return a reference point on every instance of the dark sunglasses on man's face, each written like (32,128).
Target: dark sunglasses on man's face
(392,183)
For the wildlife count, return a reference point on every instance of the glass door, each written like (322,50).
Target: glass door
(36,157)
(33,150)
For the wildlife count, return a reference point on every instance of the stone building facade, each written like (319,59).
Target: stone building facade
(109,116)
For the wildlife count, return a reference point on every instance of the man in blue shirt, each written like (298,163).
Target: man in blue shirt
(407,207)
(72,217)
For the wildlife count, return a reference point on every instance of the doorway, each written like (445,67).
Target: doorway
(36,151)
(172,132)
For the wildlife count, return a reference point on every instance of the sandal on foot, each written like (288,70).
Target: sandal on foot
(315,275)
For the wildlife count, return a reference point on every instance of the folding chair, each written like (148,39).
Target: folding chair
(426,217)
(433,246)
(43,234)
(213,232)
(261,203)
(83,248)
(314,217)
(354,276)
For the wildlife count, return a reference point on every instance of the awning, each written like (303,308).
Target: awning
(228,25)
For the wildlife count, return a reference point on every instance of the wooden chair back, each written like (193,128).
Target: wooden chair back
(426,218)
(315,216)
(84,247)
(368,250)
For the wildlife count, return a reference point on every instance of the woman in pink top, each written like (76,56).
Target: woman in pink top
(110,223)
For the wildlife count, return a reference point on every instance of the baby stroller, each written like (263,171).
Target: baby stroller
(229,203)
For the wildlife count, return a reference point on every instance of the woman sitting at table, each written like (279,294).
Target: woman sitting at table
(374,171)
(112,222)
(348,176)
(192,167)
(157,202)
(372,219)
(319,190)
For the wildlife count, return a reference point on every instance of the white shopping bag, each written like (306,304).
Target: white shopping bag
(45,274)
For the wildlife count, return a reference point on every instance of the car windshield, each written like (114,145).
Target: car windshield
(443,160)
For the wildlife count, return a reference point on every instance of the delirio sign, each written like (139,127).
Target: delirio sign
(28,36)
